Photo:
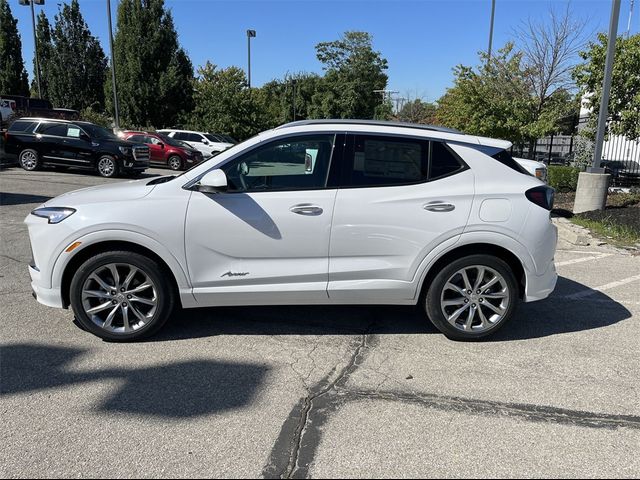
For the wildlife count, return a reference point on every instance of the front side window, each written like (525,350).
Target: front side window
(181,136)
(294,163)
(73,131)
(194,137)
(384,161)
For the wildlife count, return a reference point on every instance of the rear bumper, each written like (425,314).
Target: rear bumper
(539,287)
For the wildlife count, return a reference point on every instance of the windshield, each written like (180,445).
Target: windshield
(172,141)
(96,131)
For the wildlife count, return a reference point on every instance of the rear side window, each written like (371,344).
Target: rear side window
(505,158)
(194,137)
(180,136)
(382,161)
(22,126)
(57,129)
(136,138)
(443,161)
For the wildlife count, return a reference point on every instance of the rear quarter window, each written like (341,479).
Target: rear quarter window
(22,126)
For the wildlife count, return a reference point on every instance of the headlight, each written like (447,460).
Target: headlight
(125,150)
(54,214)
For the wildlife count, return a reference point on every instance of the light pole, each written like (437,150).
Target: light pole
(493,11)
(35,38)
(250,34)
(113,69)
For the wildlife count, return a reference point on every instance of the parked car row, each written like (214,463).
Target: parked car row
(35,142)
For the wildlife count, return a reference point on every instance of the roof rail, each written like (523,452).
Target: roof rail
(380,123)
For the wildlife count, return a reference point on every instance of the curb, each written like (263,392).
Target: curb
(572,233)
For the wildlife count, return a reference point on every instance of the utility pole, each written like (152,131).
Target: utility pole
(35,37)
(493,10)
(606,85)
(250,34)
(630,16)
(113,69)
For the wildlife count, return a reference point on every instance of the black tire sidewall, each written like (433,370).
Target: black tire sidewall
(38,162)
(432,300)
(115,166)
(181,163)
(165,294)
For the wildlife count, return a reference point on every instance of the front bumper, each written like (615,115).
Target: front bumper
(51,297)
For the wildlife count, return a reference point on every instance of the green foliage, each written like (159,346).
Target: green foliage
(13,76)
(45,57)
(624,101)
(353,71)
(223,103)
(417,111)
(153,73)
(73,63)
(92,115)
(563,179)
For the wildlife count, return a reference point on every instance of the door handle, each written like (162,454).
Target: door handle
(439,207)
(306,209)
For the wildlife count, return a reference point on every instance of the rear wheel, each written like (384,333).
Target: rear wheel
(107,166)
(121,296)
(175,162)
(472,297)
(29,160)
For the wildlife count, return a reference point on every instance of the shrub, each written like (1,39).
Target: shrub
(563,179)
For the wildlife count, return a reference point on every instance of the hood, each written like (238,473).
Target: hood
(527,163)
(121,191)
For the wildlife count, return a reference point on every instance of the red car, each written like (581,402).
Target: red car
(166,151)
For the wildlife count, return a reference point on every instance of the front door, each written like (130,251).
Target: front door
(266,240)
(399,198)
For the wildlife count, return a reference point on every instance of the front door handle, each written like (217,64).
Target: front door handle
(306,209)
(439,207)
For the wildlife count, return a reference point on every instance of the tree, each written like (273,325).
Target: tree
(13,76)
(222,102)
(45,56)
(75,71)
(417,111)
(624,100)
(154,74)
(353,72)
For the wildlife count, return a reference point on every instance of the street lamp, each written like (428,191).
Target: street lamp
(35,39)
(250,34)
(113,69)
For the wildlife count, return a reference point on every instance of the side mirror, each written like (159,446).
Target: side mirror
(161,145)
(205,141)
(213,182)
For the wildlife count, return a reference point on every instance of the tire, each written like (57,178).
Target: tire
(102,307)
(175,162)
(107,166)
(470,316)
(29,159)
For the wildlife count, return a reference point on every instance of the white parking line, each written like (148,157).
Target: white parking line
(607,286)
(583,259)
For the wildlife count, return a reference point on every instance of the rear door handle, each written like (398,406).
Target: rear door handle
(306,209)
(439,207)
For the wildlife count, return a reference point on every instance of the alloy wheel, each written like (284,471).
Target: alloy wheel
(119,298)
(175,163)
(475,299)
(106,167)
(28,160)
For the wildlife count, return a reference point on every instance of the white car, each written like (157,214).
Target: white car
(537,169)
(7,109)
(209,145)
(313,212)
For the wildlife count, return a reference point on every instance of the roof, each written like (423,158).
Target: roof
(380,126)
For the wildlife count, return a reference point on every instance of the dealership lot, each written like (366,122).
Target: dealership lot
(320,391)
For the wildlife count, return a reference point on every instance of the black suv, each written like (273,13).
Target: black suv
(43,141)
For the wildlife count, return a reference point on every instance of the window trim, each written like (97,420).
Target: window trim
(348,157)
(332,180)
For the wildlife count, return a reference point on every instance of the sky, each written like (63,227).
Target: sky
(421,39)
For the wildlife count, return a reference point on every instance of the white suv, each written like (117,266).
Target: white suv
(205,143)
(314,212)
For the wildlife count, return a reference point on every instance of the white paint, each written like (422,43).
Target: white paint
(583,259)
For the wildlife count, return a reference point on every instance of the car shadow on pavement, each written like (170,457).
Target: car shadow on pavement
(560,313)
(7,198)
(173,390)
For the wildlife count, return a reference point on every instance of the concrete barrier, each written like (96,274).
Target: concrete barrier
(591,193)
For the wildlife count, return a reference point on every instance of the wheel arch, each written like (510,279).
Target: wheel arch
(461,251)
(111,245)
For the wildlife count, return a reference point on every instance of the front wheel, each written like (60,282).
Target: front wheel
(121,296)
(107,166)
(472,297)
(175,162)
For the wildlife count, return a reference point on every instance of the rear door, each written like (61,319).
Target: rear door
(399,198)
(50,142)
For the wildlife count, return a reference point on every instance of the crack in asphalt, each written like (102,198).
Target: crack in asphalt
(296,446)
(286,460)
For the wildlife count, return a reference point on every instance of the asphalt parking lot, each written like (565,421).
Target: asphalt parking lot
(320,391)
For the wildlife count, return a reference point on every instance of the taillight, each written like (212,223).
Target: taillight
(541,196)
